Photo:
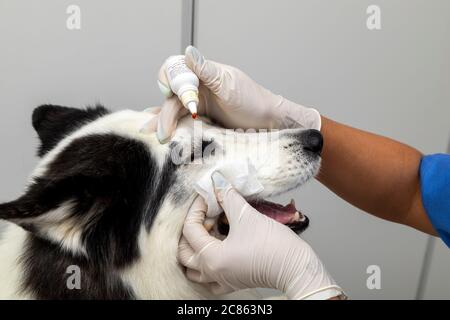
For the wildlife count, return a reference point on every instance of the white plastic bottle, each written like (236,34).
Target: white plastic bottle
(183,82)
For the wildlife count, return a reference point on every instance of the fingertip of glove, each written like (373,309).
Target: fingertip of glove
(193,56)
(221,185)
(318,123)
(161,135)
(162,138)
(165,90)
(219,181)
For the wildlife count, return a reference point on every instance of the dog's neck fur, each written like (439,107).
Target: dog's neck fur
(160,258)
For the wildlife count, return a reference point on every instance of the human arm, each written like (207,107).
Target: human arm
(374,173)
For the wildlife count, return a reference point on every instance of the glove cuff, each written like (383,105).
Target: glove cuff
(322,294)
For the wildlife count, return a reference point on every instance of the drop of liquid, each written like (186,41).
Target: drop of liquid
(194,116)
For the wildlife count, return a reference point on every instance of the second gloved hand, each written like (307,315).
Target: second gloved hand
(234,100)
(258,252)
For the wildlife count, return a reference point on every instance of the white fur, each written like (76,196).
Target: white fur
(11,247)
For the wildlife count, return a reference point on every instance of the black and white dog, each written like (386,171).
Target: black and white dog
(108,198)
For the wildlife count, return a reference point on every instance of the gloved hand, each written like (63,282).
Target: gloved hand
(234,100)
(258,252)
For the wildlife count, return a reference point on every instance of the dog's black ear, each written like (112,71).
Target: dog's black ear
(45,204)
(53,123)
(93,196)
(9,211)
(20,212)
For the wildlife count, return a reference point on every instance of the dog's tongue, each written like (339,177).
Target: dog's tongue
(287,214)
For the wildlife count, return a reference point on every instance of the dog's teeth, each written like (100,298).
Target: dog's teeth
(293,202)
(296,216)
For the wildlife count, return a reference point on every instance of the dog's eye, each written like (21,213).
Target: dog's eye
(207,149)
(206,144)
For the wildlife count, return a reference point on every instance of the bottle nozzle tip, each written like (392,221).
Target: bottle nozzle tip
(192,106)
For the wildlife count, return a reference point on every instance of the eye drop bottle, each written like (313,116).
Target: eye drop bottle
(183,82)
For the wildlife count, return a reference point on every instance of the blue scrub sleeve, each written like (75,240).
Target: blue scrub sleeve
(435,188)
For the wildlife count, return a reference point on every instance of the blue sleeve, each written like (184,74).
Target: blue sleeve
(435,188)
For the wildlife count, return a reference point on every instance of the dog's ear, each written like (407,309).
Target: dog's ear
(32,214)
(11,211)
(53,123)
(27,215)
(48,206)
(91,198)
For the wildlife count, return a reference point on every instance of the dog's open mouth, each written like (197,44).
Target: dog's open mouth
(288,215)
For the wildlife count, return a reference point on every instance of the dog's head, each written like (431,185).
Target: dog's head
(101,180)
(283,160)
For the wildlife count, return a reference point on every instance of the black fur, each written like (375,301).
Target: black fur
(45,266)
(160,187)
(115,187)
(53,122)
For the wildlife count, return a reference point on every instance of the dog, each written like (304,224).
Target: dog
(109,201)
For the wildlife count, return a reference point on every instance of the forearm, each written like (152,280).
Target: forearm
(374,173)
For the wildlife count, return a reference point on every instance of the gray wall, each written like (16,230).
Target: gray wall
(113,59)
(393,81)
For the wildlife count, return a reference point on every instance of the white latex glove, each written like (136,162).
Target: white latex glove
(231,98)
(258,252)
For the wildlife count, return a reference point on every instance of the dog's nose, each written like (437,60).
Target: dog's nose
(312,141)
